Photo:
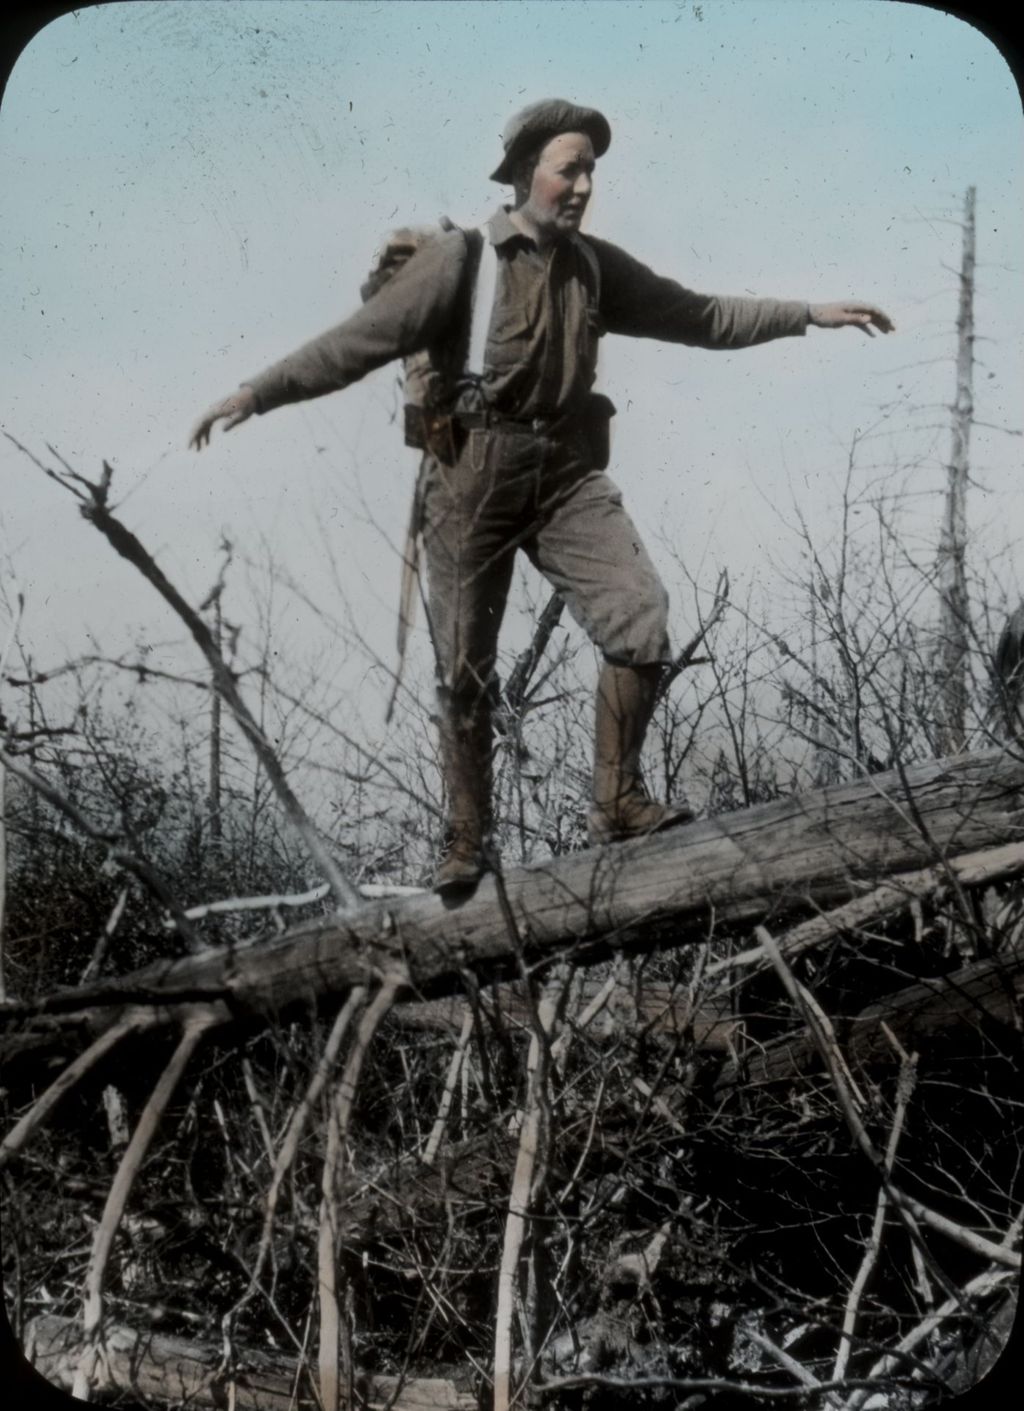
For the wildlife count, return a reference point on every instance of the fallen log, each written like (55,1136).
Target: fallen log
(986,993)
(773,863)
(174,1369)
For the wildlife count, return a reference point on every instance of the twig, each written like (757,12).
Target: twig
(959,1234)
(372,755)
(328,1234)
(686,657)
(4,651)
(783,1358)
(65,1081)
(3,876)
(140,669)
(99,951)
(659,1105)
(519,676)
(818,1023)
(904,1088)
(522,1193)
(575,1025)
(52,474)
(12,636)
(1014,1232)
(117,1198)
(257,1107)
(125,543)
(444,1107)
(370,891)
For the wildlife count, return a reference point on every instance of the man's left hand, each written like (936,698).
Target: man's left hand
(850,314)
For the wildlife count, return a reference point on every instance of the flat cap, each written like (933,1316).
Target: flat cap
(539,122)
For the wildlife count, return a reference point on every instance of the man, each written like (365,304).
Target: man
(525,468)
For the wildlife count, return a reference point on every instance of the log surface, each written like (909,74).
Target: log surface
(175,1369)
(772,863)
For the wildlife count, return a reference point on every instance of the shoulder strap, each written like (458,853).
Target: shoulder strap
(590,256)
(484,290)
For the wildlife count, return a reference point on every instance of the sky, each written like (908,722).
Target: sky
(194,189)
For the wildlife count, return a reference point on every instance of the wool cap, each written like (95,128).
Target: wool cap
(539,122)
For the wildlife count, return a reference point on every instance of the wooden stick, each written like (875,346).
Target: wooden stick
(329,1359)
(784,1359)
(117,1198)
(92,969)
(904,1088)
(454,1068)
(520,1197)
(125,543)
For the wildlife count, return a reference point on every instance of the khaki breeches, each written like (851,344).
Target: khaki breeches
(519,490)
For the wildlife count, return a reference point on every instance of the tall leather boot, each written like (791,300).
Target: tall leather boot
(625,703)
(466,746)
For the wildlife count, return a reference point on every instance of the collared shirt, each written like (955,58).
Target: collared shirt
(541,353)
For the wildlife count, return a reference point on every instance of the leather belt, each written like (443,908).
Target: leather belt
(494,421)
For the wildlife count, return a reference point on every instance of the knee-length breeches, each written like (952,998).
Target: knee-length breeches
(519,490)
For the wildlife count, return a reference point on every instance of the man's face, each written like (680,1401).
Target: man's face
(561,184)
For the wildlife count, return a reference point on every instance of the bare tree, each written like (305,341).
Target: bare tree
(954,628)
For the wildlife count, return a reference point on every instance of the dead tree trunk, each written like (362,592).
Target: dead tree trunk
(215,734)
(953,611)
(3,875)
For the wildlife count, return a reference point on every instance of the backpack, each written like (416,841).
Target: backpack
(429,377)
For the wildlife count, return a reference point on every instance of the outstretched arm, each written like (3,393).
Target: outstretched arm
(232,411)
(850,314)
(641,304)
(410,312)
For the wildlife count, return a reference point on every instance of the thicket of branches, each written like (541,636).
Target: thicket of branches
(670,1178)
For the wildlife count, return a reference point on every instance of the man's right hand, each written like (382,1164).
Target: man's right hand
(232,411)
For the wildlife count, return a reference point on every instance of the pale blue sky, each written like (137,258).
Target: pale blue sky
(194,189)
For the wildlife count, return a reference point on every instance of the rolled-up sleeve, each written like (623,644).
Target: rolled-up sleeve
(412,311)
(641,304)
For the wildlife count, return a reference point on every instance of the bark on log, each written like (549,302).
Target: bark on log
(772,863)
(173,1369)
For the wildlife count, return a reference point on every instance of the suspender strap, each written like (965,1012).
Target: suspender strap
(483,304)
(484,290)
